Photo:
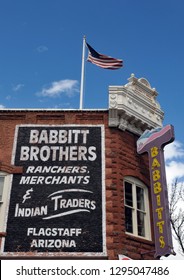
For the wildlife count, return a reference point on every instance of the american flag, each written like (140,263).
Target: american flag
(102,60)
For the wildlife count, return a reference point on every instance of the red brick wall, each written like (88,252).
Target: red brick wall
(121,160)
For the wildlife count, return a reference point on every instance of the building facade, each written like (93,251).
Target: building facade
(72,184)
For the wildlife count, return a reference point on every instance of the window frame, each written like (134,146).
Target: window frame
(4,202)
(147,223)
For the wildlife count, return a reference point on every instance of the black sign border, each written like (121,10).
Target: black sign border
(66,254)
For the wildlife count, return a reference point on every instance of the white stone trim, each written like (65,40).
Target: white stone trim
(134,106)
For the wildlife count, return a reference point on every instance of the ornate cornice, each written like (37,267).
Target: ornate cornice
(134,106)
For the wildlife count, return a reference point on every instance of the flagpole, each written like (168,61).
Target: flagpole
(82,74)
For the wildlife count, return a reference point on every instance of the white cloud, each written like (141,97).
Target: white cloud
(174,170)
(42,48)
(18,87)
(174,150)
(174,156)
(69,87)
(2,106)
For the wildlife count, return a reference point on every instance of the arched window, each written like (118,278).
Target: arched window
(4,195)
(137,215)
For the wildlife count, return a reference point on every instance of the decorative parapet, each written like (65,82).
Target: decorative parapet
(134,106)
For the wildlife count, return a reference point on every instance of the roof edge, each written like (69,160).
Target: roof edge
(50,110)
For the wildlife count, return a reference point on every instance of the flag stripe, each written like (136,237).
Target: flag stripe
(102,60)
(105,59)
(105,64)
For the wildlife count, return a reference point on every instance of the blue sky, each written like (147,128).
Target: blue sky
(41,50)
(41,43)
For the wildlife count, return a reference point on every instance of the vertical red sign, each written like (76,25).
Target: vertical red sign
(153,142)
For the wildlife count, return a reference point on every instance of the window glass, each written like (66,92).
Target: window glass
(140,198)
(140,223)
(128,194)
(128,219)
(1,187)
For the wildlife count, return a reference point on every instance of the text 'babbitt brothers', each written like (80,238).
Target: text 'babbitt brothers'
(78,152)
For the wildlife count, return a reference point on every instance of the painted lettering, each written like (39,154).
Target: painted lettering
(61,203)
(156,175)
(53,136)
(52,243)
(159,212)
(160,226)
(162,242)
(155,163)
(60,153)
(54,231)
(30,212)
(157,187)
(158,200)
(154,151)
(54,180)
